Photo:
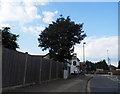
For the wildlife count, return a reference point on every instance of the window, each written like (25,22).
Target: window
(74,62)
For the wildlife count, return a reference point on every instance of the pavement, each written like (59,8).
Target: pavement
(74,84)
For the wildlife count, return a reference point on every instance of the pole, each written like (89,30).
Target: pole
(108,60)
(50,76)
(83,65)
(40,71)
(84,52)
(108,57)
(25,70)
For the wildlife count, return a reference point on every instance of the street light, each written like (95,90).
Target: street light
(84,52)
(83,65)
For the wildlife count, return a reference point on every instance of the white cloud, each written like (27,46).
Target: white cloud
(96,49)
(20,10)
(4,25)
(34,29)
(48,16)
(37,2)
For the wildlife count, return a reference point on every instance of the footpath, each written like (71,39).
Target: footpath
(74,84)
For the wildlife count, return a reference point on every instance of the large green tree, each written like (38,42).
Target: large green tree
(60,37)
(9,39)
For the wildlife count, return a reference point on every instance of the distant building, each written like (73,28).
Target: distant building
(117,69)
(99,69)
(44,56)
(112,67)
(39,55)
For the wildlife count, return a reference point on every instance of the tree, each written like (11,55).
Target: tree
(60,37)
(90,66)
(9,39)
(102,65)
(119,65)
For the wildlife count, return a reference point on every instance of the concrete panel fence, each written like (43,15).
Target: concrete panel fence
(21,69)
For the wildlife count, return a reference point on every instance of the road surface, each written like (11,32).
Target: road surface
(104,83)
(75,84)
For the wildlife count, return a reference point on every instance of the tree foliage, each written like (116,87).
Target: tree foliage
(60,37)
(102,65)
(90,66)
(9,39)
(98,65)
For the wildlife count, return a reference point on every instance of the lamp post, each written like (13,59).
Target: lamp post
(83,65)
(84,52)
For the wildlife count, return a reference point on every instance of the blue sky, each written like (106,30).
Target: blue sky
(96,16)
(100,24)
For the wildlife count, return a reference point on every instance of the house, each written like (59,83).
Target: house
(43,56)
(75,65)
(39,55)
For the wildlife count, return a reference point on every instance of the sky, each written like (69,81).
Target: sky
(28,18)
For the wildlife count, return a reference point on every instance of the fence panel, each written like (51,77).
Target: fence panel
(60,70)
(33,69)
(53,70)
(12,67)
(5,68)
(20,68)
(36,68)
(45,69)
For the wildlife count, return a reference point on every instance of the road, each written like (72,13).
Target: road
(104,83)
(75,84)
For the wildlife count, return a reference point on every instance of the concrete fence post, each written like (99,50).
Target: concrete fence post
(50,69)
(57,71)
(40,70)
(63,66)
(1,67)
(62,69)
(25,70)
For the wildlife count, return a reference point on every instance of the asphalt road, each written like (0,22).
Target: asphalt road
(75,84)
(104,83)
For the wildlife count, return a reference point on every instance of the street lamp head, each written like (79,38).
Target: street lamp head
(84,42)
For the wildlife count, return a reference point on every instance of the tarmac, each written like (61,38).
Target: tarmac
(78,83)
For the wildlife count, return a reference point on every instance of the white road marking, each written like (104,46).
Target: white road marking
(115,78)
